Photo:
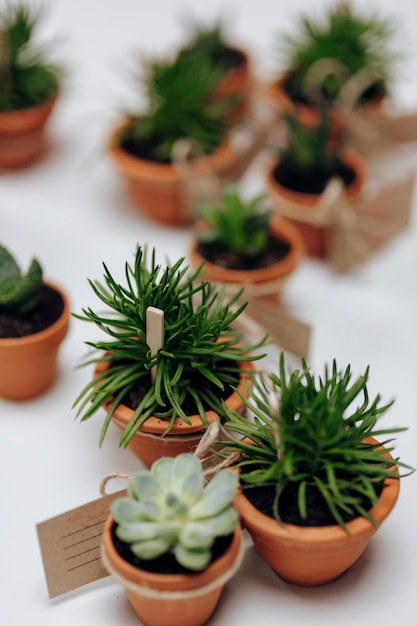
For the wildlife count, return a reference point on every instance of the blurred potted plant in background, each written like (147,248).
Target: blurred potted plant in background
(299,179)
(316,480)
(34,320)
(243,244)
(29,86)
(163,400)
(186,101)
(326,54)
(173,542)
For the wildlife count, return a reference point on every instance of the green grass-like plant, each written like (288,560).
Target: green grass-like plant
(26,78)
(180,104)
(201,353)
(19,292)
(309,154)
(352,41)
(242,226)
(168,510)
(313,432)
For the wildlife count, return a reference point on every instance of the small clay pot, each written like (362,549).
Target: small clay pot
(309,556)
(262,281)
(172,599)
(28,365)
(22,135)
(303,209)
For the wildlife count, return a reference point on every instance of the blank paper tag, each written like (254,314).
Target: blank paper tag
(70,546)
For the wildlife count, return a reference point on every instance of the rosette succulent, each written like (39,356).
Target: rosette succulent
(168,509)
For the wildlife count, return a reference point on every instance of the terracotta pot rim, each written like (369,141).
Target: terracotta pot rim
(162,173)
(166,582)
(157,426)
(58,327)
(324,534)
(41,105)
(282,229)
(309,201)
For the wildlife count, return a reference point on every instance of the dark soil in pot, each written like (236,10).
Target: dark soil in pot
(165,564)
(262,497)
(219,254)
(134,397)
(317,182)
(47,311)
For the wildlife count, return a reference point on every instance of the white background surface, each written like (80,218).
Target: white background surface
(70,212)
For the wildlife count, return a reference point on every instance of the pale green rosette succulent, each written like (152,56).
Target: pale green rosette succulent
(169,509)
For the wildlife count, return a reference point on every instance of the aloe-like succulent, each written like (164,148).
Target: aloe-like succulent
(169,510)
(242,226)
(26,78)
(18,292)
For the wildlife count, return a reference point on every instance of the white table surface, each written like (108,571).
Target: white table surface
(70,212)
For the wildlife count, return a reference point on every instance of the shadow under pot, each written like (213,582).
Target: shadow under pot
(308,206)
(29,354)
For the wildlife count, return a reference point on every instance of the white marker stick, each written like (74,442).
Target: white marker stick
(154,333)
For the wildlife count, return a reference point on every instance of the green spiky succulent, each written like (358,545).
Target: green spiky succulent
(201,356)
(18,292)
(313,434)
(351,41)
(242,226)
(26,78)
(169,510)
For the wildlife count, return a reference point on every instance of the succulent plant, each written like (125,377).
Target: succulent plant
(242,226)
(18,292)
(169,510)
(313,434)
(26,78)
(201,355)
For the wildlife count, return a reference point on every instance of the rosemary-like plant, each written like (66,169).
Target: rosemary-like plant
(242,226)
(180,104)
(314,434)
(26,78)
(347,42)
(19,292)
(201,353)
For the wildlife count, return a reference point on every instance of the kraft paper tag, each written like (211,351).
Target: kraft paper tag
(70,546)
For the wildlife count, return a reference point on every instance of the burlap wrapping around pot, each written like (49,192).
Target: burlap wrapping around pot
(355,230)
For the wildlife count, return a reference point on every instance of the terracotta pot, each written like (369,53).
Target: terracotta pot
(28,365)
(160,190)
(22,135)
(237,81)
(266,281)
(149,444)
(313,556)
(161,599)
(304,210)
